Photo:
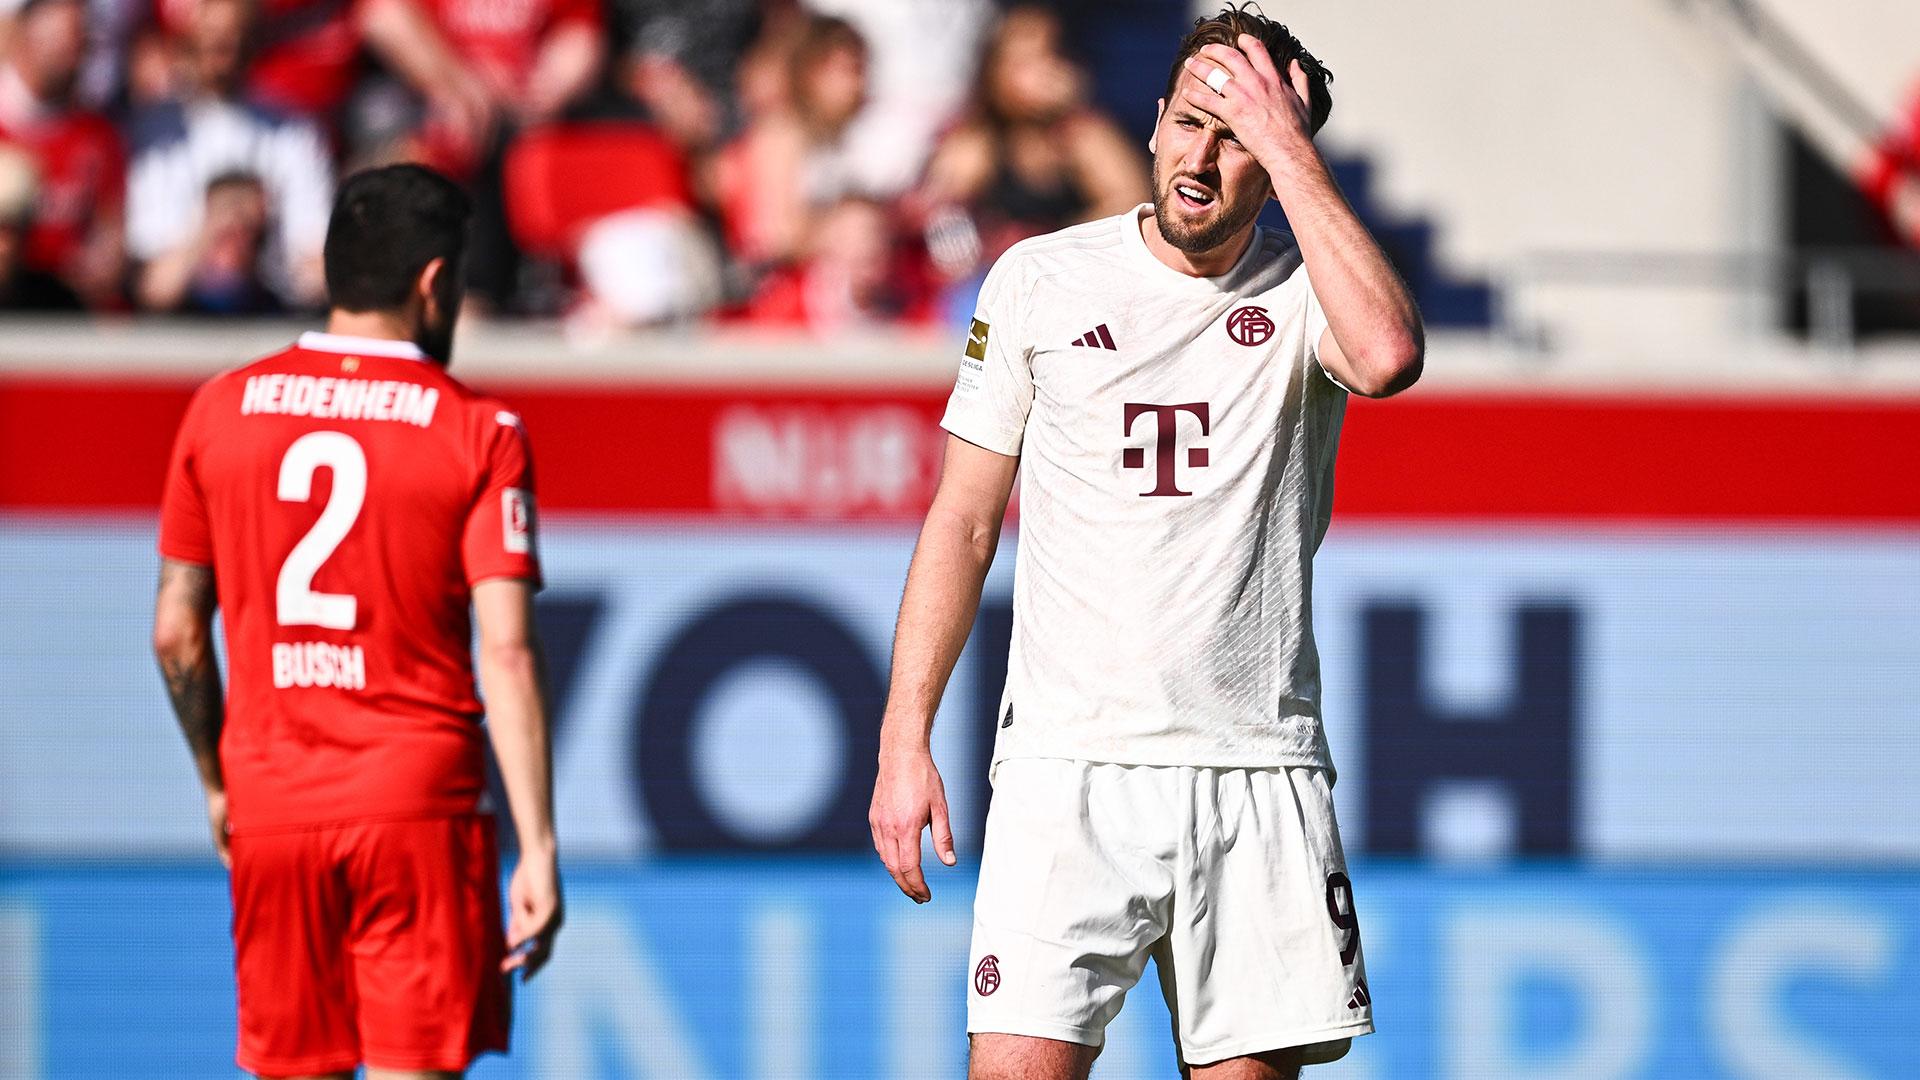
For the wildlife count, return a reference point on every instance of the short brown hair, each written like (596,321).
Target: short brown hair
(1226,28)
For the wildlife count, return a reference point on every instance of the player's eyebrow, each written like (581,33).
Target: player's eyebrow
(1204,121)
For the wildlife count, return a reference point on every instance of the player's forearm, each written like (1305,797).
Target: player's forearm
(183,643)
(511,677)
(936,615)
(1369,310)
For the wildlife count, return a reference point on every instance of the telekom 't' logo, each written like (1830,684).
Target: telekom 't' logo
(1165,438)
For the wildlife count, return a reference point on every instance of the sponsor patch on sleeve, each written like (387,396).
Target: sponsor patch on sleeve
(516,520)
(973,366)
(977,340)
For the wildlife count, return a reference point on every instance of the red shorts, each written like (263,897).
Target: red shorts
(376,943)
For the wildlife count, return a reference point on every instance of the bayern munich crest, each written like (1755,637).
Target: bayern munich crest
(1249,325)
(986,977)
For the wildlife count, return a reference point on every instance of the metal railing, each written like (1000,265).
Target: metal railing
(1832,280)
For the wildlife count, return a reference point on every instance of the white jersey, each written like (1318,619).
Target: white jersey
(1177,438)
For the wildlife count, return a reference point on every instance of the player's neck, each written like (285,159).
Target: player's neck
(1210,263)
(383,325)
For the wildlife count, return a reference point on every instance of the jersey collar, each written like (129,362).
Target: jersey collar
(315,341)
(1130,225)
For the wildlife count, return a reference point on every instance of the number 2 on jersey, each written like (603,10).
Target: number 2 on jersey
(295,602)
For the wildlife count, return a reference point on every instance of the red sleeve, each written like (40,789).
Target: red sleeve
(500,540)
(185,533)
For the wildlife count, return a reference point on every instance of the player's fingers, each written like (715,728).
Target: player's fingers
(1301,85)
(1257,55)
(537,957)
(915,883)
(903,857)
(1195,95)
(885,846)
(1207,78)
(1228,59)
(942,831)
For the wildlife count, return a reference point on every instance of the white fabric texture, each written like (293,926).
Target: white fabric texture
(1229,878)
(1163,584)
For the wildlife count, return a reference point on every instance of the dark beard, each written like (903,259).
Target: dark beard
(1221,230)
(436,340)
(435,336)
(1225,226)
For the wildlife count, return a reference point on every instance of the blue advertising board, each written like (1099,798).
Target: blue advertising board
(816,968)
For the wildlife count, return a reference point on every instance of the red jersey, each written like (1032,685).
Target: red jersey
(83,175)
(306,52)
(501,38)
(348,494)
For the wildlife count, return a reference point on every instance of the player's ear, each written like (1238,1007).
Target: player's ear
(1159,110)
(426,287)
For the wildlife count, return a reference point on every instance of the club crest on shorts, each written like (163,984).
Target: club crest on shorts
(1249,325)
(986,977)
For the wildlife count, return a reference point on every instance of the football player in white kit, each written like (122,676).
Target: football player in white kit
(1172,380)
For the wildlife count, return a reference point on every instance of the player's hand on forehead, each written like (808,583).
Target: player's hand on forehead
(1243,89)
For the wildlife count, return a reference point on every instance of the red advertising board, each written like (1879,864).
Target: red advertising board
(873,454)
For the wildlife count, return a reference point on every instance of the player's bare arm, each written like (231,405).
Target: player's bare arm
(942,596)
(183,643)
(1374,342)
(512,677)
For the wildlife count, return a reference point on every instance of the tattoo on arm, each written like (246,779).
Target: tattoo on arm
(192,674)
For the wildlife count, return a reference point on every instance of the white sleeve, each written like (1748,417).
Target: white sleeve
(994,390)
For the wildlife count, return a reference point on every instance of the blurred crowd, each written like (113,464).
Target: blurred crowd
(815,166)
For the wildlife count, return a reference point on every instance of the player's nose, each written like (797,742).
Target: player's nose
(1202,152)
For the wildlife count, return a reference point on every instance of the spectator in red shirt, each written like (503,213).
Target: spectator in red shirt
(23,288)
(307,57)
(76,234)
(534,60)
(855,275)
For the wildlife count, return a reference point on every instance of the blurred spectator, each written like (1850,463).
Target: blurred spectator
(1030,156)
(79,162)
(306,59)
(915,89)
(534,60)
(680,60)
(219,273)
(802,88)
(23,288)
(855,275)
(181,148)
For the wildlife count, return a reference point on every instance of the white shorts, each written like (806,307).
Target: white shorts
(1231,879)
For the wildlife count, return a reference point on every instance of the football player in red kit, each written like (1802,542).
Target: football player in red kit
(353,512)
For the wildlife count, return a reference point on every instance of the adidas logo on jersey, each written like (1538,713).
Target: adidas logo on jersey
(1097,338)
